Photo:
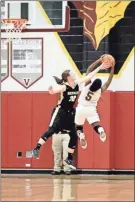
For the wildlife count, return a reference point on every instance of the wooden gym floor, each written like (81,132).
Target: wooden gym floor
(64,188)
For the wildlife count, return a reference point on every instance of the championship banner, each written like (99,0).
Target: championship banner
(4,59)
(27,61)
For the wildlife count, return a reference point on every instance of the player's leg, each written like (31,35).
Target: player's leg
(57,150)
(54,127)
(42,140)
(99,130)
(94,120)
(79,121)
(65,143)
(71,148)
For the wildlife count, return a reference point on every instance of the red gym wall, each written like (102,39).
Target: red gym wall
(25,116)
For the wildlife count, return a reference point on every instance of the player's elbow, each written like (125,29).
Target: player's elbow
(88,78)
(51,92)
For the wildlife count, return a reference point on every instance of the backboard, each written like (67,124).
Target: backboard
(42,16)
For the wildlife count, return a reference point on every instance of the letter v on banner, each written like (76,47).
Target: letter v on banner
(26,82)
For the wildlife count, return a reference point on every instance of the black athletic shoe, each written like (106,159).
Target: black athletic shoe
(55,173)
(35,153)
(70,163)
(67,172)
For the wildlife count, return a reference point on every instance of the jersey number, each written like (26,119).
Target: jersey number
(72,98)
(89,96)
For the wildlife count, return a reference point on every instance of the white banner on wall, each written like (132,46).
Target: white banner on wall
(3,10)
(4,59)
(27,61)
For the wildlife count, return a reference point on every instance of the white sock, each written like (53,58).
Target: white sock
(82,136)
(100,130)
(41,141)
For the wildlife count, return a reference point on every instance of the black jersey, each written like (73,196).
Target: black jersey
(68,97)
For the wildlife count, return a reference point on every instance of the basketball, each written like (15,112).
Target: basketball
(108,59)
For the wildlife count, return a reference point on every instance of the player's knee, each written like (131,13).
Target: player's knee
(72,145)
(48,134)
(99,129)
(73,141)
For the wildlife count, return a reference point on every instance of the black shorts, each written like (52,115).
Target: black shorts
(62,119)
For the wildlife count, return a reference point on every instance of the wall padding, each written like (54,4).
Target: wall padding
(25,116)
(124,130)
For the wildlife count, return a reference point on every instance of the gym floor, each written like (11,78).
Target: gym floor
(65,188)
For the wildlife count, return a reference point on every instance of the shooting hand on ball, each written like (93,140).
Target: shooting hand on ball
(104,65)
(108,60)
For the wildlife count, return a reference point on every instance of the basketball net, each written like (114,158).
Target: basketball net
(13,28)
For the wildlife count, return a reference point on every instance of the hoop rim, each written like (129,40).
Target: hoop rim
(18,23)
(13,19)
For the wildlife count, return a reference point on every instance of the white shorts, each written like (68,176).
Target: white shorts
(88,113)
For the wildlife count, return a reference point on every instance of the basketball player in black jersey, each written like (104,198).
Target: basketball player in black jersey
(63,115)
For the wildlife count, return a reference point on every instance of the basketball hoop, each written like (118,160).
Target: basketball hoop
(13,28)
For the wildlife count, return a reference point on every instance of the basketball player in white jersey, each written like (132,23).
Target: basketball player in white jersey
(88,100)
(87,105)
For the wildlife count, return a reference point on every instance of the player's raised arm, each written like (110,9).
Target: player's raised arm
(91,74)
(107,83)
(92,66)
(59,89)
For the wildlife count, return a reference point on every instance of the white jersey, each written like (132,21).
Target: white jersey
(88,98)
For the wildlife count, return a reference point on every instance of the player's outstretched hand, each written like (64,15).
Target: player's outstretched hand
(102,56)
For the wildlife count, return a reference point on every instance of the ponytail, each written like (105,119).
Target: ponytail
(58,81)
(64,76)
